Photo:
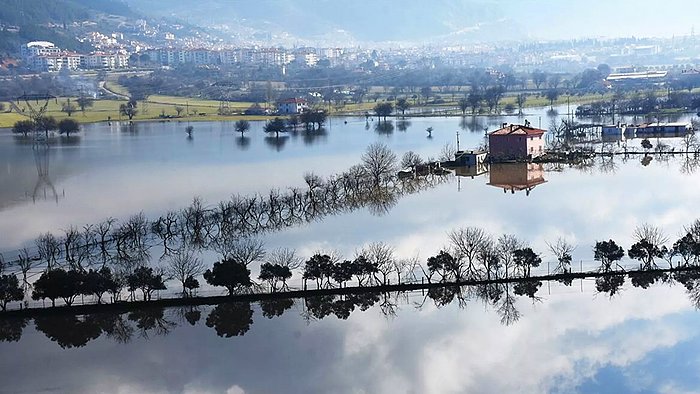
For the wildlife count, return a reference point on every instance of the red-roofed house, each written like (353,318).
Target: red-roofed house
(516,142)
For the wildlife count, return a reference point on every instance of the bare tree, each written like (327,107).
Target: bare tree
(379,162)
(411,160)
(243,250)
(690,141)
(183,265)
(506,245)
(285,257)
(49,249)
(507,310)
(26,263)
(562,251)
(381,255)
(468,243)
(103,231)
(489,259)
(194,223)
(71,245)
(652,234)
(406,268)
(448,152)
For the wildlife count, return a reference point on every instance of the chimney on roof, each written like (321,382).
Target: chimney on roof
(503,126)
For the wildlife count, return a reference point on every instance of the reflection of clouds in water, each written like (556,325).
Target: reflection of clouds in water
(556,346)
(585,206)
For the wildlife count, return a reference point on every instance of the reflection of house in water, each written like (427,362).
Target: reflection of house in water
(663,129)
(516,176)
(618,132)
(623,131)
(470,163)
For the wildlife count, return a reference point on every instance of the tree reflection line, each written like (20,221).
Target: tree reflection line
(120,249)
(123,250)
(235,318)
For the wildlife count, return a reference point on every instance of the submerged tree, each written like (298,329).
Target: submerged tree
(402,105)
(182,266)
(525,259)
(146,280)
(57,283)
(383,110)
(608,253)
(562,251)
(10,290)
(275,126)
(440,265)
(379,162)
(23,127)
(273,274)
(231,274)
(68,126)
(645,252)
(242,126)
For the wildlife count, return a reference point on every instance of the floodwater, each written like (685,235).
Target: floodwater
(574,339)
(571,339)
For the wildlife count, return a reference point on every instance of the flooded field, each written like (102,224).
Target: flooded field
(566,338)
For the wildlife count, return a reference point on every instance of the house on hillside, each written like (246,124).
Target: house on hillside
(516,142)
(292,106)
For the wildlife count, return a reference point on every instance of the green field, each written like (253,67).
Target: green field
(196,109)
(105,110)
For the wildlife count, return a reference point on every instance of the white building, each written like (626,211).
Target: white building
(292,106)
(53,63)
(101,60)
(38,48)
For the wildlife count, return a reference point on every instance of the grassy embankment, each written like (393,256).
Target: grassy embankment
(106,109)
(450,106)
(207,110)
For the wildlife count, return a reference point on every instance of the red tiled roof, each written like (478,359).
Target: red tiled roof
(516,129)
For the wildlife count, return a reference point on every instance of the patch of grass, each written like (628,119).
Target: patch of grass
(116,88)
(105,110)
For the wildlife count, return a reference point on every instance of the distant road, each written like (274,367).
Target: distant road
(103,87)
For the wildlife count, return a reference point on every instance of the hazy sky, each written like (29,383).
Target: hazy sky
(613,18)
(437,20)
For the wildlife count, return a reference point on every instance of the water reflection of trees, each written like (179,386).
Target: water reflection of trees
(11,328)
(310,137)
(276,142)
(233,319)
(384,128)
(243,142)
(126,245)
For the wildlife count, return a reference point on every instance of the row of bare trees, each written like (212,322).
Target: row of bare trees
(229,228)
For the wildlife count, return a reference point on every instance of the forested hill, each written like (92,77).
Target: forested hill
(49,20)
